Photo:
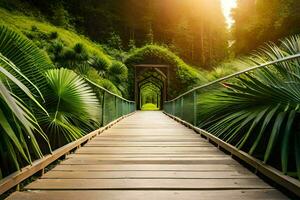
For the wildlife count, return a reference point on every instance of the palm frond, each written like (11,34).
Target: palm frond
(260,107)
(18,125)
(28,58)
(71,103)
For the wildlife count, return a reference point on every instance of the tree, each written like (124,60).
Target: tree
(260,21)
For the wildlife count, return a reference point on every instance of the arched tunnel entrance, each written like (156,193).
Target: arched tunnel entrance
(151,84)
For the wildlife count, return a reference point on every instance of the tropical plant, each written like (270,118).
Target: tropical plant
(73,107)
(259,111)
(118,74)
(18,126)
(22,81)
(30,60)
(37,98)
(99,65)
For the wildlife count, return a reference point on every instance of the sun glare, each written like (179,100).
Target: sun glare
(227,6)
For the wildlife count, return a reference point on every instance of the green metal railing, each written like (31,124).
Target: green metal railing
(113,106)
(186,105)
(196,108)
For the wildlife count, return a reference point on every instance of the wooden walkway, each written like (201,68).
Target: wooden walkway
(148,156)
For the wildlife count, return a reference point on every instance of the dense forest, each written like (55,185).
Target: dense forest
(258,22)
(199,37)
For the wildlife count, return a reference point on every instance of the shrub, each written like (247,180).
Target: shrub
(53,35)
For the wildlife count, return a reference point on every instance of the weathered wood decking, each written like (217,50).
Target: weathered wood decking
(148,156)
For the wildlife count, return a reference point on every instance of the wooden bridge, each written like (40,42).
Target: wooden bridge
(148,156)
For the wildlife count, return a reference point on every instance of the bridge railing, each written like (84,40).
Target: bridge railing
(186,108)
(113,108)
(186,105)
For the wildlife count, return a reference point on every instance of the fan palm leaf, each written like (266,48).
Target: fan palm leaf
(29,59)
(261,107)
(72,105)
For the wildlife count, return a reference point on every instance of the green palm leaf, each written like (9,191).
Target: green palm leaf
(28,58)
(260,107)
(18,125)
(72,105)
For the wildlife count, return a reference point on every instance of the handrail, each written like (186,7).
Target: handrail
(236,74)
(39,165)
(108,115)
(184,108)
(102,88)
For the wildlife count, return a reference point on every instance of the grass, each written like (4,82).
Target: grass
(69,37)
(149,107)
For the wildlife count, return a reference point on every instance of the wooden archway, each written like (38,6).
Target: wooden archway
(140,77)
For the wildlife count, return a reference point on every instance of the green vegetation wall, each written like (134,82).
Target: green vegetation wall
(182,76)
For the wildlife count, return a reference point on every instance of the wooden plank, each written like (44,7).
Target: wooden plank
(143,167)
(147,175)
(149,131)
(162,143)
(151,153)
(146,144)
(163,134)
(150,156)
(96,150)
(150,127)
(148,139)
(151,137)
(254,194)
(185,136)
(163,161)
(85,184)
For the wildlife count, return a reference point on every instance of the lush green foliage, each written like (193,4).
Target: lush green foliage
(19,127)
(27,57)
(258,112)
(72,106)
(260,21)
(150,94)
(199,37)
(100,80)
(53,102)
(182,75)
(68,49)
(223,69)
(149,107)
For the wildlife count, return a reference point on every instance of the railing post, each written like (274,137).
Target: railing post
(127,107)
(123,109)
(181,107)
(173,107)
(195,107)
(103,109)
(116,108)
